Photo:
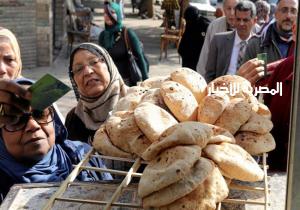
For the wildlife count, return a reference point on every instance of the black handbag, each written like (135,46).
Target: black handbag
(135,71)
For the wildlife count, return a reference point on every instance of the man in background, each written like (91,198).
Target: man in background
(221,24)
(276,37)
(227,49)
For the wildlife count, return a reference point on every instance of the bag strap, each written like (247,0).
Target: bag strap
(127,42)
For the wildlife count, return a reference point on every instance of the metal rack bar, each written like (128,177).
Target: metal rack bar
(132,173)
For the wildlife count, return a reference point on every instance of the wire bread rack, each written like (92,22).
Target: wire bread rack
(113,202)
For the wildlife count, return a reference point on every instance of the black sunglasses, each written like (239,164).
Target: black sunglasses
(41,117)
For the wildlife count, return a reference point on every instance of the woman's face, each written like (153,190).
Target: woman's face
(107,19)
(29,139)
(90,73)
(8,62)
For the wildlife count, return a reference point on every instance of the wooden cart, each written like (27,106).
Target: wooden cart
(122,195)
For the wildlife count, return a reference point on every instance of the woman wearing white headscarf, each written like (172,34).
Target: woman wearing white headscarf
(10,68)
(98,87)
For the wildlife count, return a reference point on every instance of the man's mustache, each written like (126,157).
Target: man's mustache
(288,20)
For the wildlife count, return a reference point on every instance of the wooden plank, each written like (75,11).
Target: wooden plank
(130,205)
(124,183)
(113,196)
(35,196)
(240,201)
(112,171)
(69,179)
(246,188)
(267,202)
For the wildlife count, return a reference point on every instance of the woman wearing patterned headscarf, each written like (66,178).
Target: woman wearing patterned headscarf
(10,68)
(113,40)
(98,87)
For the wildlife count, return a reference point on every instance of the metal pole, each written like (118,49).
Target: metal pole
(293,179)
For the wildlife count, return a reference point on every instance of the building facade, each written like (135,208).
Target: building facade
(38,26)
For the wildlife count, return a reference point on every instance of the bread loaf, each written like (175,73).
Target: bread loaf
(167,168)
(185,133)
(234,161)
(211,107)
(255,143)
(191,80)
(103,145)
(153,120)
(122,128)
(202,168)
(180,101)
(235,115)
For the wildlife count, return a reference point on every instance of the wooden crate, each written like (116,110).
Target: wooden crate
(123,195)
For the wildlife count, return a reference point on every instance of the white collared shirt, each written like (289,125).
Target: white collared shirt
(235,53)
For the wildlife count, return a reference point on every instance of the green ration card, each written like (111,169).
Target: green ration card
(46,91)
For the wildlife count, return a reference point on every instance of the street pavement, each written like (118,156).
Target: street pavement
(148,30)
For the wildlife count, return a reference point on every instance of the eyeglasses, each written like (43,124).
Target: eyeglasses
(285,10)
(41,117)
(78,69)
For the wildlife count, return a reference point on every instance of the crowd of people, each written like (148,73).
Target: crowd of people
(35,146)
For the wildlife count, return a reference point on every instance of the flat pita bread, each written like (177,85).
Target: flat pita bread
(255,143)
(138,146)
(136,90)
(233,84)
(153,96)
(184,133)
(213,190)
(235,87)
(220,135)
(257,124)
(104,146)
(264,111)
(153,120)
(234,161)
(201,170)
(191,80)
(154,82)
(167,168)
(122,128)
(128,102)
(180,101)
(211,107)
(236,114)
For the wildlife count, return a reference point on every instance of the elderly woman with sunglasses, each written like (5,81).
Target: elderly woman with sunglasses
(98,87)
(29,152)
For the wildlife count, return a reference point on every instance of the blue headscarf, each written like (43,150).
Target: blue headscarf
(55,166)
(109,32)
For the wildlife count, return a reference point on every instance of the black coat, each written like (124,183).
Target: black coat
(193,37)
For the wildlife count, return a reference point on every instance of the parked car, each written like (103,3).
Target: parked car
(204,6)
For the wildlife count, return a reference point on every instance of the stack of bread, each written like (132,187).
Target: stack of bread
(191,139)
(241,114)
